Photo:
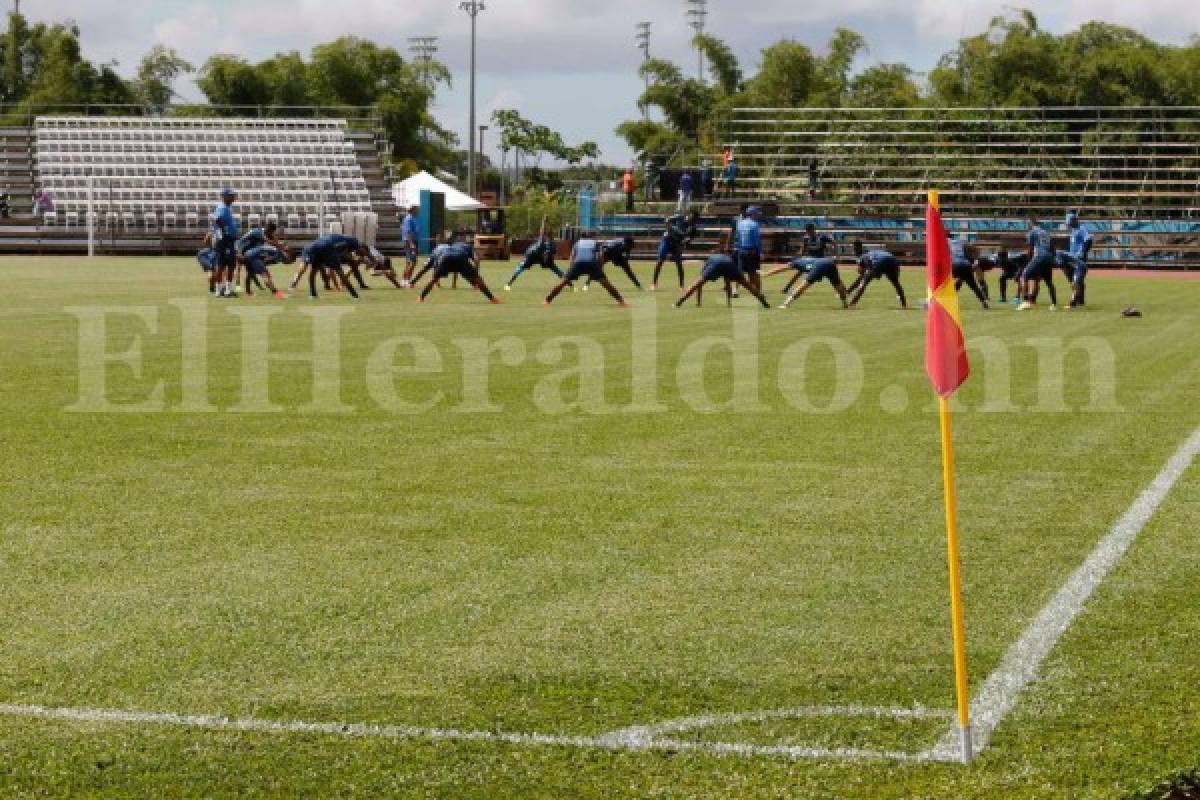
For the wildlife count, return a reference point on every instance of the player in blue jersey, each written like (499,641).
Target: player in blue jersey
(257,237)
(815,270)
(816,249)
(381,265)
(539,254)
(1010,266)
(409,238)
(1040,268)
(434,258)
(458,258)
(748,246)
(326,256)
(208,259)
(1075,262)
(224,236)
(258,261)
(873,265)
(721,266)
(680,230)
(617,251)
(965,270)
(587,261)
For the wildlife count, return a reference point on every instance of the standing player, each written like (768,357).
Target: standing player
(721,267)
(679,231)
(458,259)
(873,265)
(964,270)
(586,262)
(816,250)
(409,239)
(1040,266)
(224,236)
(748,246)
(1076,261)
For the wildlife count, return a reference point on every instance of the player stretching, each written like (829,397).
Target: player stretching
(258,260)
(815,270)
(540,254)
(873,265)
(964,270)
(382,265)
(815,248)
(326,255)
(458,259)
(586,262)
(1040,267)
(617,251)
(681,229)
(721,267)
(408,237)
(1075,263)
(224,236)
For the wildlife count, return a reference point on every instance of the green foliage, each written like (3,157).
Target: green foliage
(534,141)
(156,75)
(1181,785)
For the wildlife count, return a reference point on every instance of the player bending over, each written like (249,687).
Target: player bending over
(457,259)
(381,265)
(873,265)
(586,262)
(258,261)
(964,270)
(680,230)
(1040,267)
(617,251)
(815,270)
(540,254)
(814,248)
(326,255)
(721,267)
(209,260)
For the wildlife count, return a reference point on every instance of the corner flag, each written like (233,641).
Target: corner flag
(946,364)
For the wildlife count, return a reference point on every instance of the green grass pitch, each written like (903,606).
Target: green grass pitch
(577,573)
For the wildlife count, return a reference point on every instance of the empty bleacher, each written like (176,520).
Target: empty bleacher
(152,182)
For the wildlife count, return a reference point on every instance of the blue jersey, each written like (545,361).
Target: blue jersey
(459,250)
(876,260)
(613,247)
(342,243)
(749,235)
(540,249)
(958,250)
(678,230)
(255,237)
(687,183)
(819,245)
(731,171)
(408,228)
(1041,243)
(1080,238)
(263,255)
(225,225)
(585,250)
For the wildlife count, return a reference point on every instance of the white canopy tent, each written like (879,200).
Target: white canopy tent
(407,193)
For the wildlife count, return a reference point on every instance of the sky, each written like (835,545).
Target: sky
(569,64)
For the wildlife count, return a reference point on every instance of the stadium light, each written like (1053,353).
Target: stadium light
(697,13)
(472,7)
(643,43)
(423,49)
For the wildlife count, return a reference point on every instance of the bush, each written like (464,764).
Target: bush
(1181,785)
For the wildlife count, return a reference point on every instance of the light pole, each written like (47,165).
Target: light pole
(697,13)
(482,128)
(643,43)
(423,49)
(472,7)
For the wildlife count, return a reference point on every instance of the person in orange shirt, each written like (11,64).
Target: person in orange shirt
(629,186)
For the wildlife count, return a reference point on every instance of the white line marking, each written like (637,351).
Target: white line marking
(612,741)
(999,693)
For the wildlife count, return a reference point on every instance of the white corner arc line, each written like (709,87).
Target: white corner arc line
(999,693)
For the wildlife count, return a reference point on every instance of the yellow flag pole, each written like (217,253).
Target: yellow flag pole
(955,562)
(956,604)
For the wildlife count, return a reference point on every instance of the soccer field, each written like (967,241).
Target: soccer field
(479,569)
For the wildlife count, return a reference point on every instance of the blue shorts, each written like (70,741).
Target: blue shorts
(207,258)
(727,270)
(323,259)
(450,265)
(226,251)
(749,261)
(667,250)
(886,268)
(823,269)
(259,258)
(1074,267)
(585,269)
(410,251)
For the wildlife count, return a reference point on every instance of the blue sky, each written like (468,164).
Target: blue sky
(570,64)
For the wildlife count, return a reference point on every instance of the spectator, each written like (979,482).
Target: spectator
(707,180)
(629,186)
(44,203)
(731,176)
(814,179)
(651,178)
(687,190)
(726,156)
(5,206)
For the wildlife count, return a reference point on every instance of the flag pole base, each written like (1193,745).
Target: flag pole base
(964,739)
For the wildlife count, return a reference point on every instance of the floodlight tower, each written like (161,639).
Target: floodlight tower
(423,49)
(643,43)
(472,7)
(697,13)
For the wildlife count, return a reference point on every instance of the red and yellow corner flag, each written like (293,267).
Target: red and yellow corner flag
(946,364)
(945,345)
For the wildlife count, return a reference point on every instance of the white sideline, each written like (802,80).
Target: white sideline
(999,693)
(995,699)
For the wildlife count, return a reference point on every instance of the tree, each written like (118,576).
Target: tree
(787,77)
(232,81)
(536,141)
(883,86)
(156,77)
